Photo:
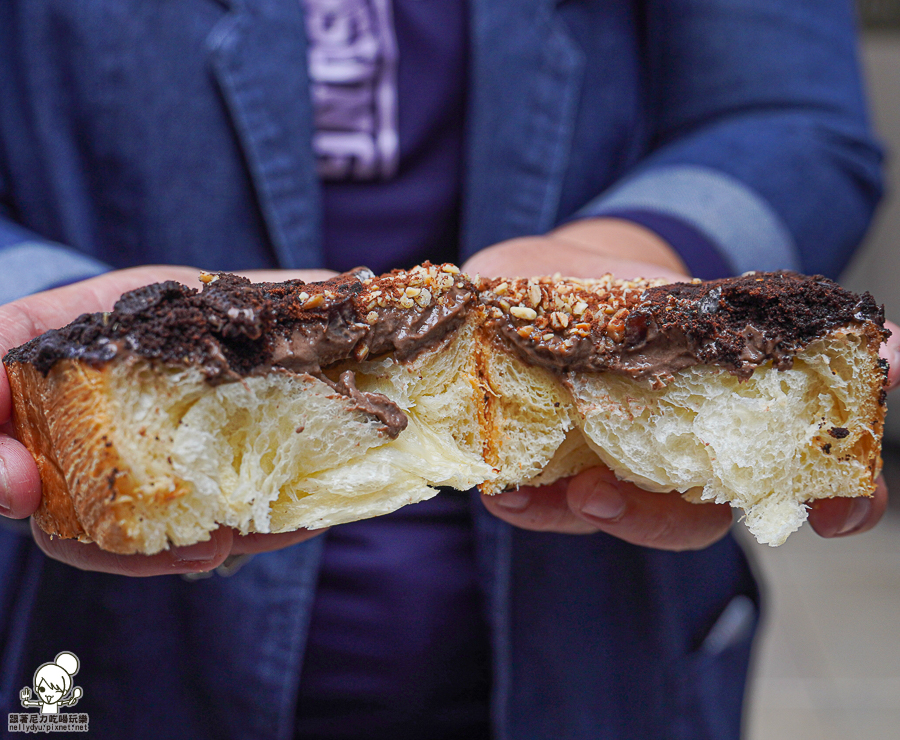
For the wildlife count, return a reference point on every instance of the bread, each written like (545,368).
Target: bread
(271,407)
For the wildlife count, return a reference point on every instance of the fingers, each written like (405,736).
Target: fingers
(278,276)
(890,351)
(198,558)
(249,544)
(28,317)
(596,501)
(20,481)
(533,255)
(588,248)
(542,509)
(661,520)
(839,517)
(201,557)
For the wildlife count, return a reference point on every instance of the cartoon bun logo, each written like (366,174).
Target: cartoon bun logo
(53,685)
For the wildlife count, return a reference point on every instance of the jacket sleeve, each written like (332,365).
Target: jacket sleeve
(29,263)
(762,157)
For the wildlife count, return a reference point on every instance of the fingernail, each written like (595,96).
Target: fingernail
(856,516)
(5,500)
(196,553)
(894,372)
(513,500)
(605,503)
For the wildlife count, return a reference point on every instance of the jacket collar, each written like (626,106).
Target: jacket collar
(525,77)
(271,110)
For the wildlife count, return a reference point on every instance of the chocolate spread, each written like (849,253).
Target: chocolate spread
(233,328)
(375,404)
(649,330)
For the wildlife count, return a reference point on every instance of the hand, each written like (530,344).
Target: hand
(586,249)
(838,517)
(20,485)
(597,501)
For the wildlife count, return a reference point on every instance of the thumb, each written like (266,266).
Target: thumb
(890,351)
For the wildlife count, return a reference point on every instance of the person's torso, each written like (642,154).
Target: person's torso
(183,132)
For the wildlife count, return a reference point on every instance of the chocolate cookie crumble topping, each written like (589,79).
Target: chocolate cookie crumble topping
(645,329)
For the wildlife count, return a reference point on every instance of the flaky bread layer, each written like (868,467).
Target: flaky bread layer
(766,445)
(137,456)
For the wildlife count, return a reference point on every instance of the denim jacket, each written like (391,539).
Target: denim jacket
(147,132)
(135,132)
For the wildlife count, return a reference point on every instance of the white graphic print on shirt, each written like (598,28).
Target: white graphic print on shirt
(353,75)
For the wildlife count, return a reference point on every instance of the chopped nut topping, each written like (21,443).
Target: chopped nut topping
(579,308)
(372,317)
(559,320)
(424,298)
(523,312)
(616,327)
(314,302)
(207,277)
(616,331)
(452,269)
(413,292)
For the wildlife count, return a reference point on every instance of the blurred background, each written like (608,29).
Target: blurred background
(828,661)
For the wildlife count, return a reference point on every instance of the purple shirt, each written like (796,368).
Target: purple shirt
(407,211)
(398,645)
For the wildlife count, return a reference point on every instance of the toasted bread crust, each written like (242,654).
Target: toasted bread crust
(87,488)
(32,393)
